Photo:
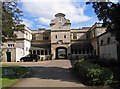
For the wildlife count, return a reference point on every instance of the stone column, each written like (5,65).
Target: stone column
(53,52)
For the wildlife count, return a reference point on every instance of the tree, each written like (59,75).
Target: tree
(10,19)
(109,13)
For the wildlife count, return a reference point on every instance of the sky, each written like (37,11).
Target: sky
(38,13)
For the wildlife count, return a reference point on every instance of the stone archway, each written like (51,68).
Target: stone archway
(61,53)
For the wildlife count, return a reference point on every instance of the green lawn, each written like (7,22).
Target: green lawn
(9,79)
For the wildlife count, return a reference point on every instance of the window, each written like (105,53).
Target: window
(33,37)
(46,53)
(79,51)
(45,38)
(64,36)
(26,34)
(38,52)
(34,51)
(101,42)
(56,36)
(87,36)
(83,51)
(42,52)
(76,51)
(10,45)
(74,36)
(108,40)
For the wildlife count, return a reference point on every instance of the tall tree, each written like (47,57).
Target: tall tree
(109,13)
(10,18)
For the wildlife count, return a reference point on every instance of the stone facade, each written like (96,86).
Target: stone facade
(76,43)
(108,46)
(13,50)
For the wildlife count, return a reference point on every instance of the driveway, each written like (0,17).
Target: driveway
(55,73)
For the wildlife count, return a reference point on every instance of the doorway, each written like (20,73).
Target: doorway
(61,53)
(8,54)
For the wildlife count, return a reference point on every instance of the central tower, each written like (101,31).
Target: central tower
(60,35)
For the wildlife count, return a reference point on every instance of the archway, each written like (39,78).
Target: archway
(61,53)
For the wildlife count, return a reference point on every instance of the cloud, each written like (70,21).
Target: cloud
(46,9)
(27,22)
(114,0)
(43,20)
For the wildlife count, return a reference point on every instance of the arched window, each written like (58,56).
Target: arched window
(101,42)
(42,52)
(38,52)
(108,40)
(34,51)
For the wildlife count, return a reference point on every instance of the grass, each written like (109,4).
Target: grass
(8,80)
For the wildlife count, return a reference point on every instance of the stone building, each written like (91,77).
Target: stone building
(60,41)
(13,50)
(108,47)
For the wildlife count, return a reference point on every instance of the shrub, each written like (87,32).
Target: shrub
(92,74)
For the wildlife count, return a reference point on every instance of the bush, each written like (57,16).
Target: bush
(92,74)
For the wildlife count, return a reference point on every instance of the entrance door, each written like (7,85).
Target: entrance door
(61,53)
(8,56)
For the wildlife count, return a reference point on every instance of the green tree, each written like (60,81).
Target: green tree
(10,19)
(109,13)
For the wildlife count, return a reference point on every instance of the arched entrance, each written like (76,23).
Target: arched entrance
(61,53)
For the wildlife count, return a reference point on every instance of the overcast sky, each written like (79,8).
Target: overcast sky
(39,13)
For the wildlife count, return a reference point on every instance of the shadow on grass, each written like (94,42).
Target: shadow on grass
(11,74)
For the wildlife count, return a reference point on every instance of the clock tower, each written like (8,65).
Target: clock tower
(60,35)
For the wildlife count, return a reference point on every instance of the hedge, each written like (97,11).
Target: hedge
(92,74)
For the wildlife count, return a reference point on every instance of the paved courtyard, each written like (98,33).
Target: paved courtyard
(55,73)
